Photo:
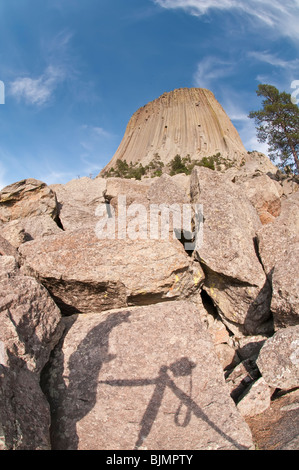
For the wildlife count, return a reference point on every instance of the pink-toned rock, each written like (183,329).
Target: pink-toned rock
(235,279)
(78,200)
(6,249)
(27,198)
(264,195)
(278,360)
(85,274)
(226,355)
(29,328)
(279,252)
(256,399)
(29,228)
(277,427)
(239,379)
(141,378)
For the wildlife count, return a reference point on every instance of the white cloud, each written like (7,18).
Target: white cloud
(99,131)
(37,91)
(278,15)
(274,60)
(209,70)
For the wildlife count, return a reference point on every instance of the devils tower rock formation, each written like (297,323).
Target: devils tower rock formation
(125,326)
(186,121)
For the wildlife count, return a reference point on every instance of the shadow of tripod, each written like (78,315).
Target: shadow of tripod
(182,367)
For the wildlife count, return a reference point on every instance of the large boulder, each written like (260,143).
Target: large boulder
(134,190)
(28,209)
(27,198)
(279,251)
(22,230)
(141,378)
(278,360)
(264,195)
(29,329)
(78,200)
(86,274)
(253,164)
(235,279)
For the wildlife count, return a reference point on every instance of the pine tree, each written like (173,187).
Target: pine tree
(278,125)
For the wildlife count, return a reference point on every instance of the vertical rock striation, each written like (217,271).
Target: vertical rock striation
(186,121)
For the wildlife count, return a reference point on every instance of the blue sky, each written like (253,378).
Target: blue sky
(74,72)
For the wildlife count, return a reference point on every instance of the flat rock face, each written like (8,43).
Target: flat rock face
(85,274)
(22,230)
(141,378)
(185,122)
(235,278)
(29,329)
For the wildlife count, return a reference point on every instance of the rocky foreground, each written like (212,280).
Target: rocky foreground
(130,342)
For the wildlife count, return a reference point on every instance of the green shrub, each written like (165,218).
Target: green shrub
(179,165)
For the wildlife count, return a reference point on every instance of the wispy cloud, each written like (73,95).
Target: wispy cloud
(37,91)
(274,60)
(95,131)
(211,69)
(281,16)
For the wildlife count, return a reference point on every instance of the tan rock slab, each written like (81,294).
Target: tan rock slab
(78,200)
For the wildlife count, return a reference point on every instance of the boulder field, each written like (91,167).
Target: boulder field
(116,334)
